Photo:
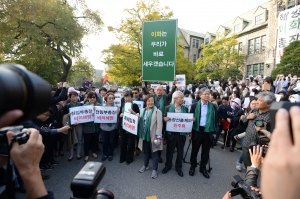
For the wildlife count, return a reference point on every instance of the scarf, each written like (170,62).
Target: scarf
(144,131)
(96,126)
(172,110)
(161,103)
(210,125)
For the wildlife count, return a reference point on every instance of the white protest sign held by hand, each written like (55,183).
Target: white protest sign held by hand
(180,80)
(187,102)
(117,102)
(127,107)
(120,91)
(154,86)
(130,123)
(180,122)
(81,114)
(246,102)
(106,114)
(118,95)
(140,104)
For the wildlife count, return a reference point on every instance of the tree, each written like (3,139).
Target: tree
(219,56)
(126,57)
(82,68)
(45,36)
(290,60)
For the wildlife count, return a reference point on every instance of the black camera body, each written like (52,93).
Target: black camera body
(21,136)
(241,188)
(85,183)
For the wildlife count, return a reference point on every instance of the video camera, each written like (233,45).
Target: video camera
(85,183)
(241,188)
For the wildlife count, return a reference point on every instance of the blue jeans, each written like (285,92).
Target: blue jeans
(108,139)
(240,160)
(147,148)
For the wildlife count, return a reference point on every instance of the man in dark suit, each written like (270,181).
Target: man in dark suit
(204,129)
(175,138)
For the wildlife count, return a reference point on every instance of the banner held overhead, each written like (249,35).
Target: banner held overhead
(159,50)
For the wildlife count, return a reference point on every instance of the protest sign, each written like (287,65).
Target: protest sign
(130,123)
(81,114)
(154,86)
(140,104)
(118,95)
(120,91)
(180,80)
(180,122)
(127,107)
(278,97)
(117,102)
(187,101)
(159,43)
(106,114)
(164,87)
(246,102)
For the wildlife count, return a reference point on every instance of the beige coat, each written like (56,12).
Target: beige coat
(71,135)
(155,129)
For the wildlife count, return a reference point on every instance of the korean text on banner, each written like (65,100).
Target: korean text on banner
(187,102)
(154,86)
(180,80)
(120,91)
(81,114)
(288,29)
(117,102)
(180,122)
(106,114)
(118,95)
(130,123)
(127,107)
(140,104)
(159,50)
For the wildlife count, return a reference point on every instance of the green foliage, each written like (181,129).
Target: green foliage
(126,56)
(82,68)
(290,61)
(233,73)
(45,36)
(217,57)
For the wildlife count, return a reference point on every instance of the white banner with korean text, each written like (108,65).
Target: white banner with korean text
(106,114)
(140,104)
(187,102)
(180,80)
(180,122)
(81,114)
(130,123)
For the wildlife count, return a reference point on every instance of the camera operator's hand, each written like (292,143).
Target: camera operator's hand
(280,171)
(256,156)
(5,120)
(255,189)
(259,128)
(63,129)
(227,195)
(27,157)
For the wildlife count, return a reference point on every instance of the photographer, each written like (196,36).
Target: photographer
(26,158)
(260,113)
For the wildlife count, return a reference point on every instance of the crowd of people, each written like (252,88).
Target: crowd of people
(239,110)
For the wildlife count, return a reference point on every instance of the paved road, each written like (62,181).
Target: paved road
(127,183)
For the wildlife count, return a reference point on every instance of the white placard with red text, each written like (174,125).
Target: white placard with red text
(81,114)
(106,114)
(180,80)
(180,122)
(130,123)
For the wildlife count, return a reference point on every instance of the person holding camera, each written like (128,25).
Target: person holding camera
(262,114)
(26,158)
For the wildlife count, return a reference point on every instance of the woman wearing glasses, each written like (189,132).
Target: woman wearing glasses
(108,131)
(91,130)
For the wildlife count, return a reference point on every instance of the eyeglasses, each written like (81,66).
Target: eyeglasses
(93,97)
(134,93)
(110,98)
(46,115)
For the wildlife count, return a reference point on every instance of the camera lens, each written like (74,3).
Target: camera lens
(23,90)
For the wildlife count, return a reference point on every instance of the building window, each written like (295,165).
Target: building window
(237,28)
(257,45)
(263,43)
(249,70)
(259,19)
(255,70)
(193,44)
(206,41)
(251,47)
(197,43)
(195,58)
(261,69)
(240,48)
(291,3)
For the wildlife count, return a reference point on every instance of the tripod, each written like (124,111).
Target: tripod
(190,141)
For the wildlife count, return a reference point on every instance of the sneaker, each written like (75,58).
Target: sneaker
(104,158)
(154,174)
(45,168)
(238,166)
(54,162)
(110,158)
(143,169)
